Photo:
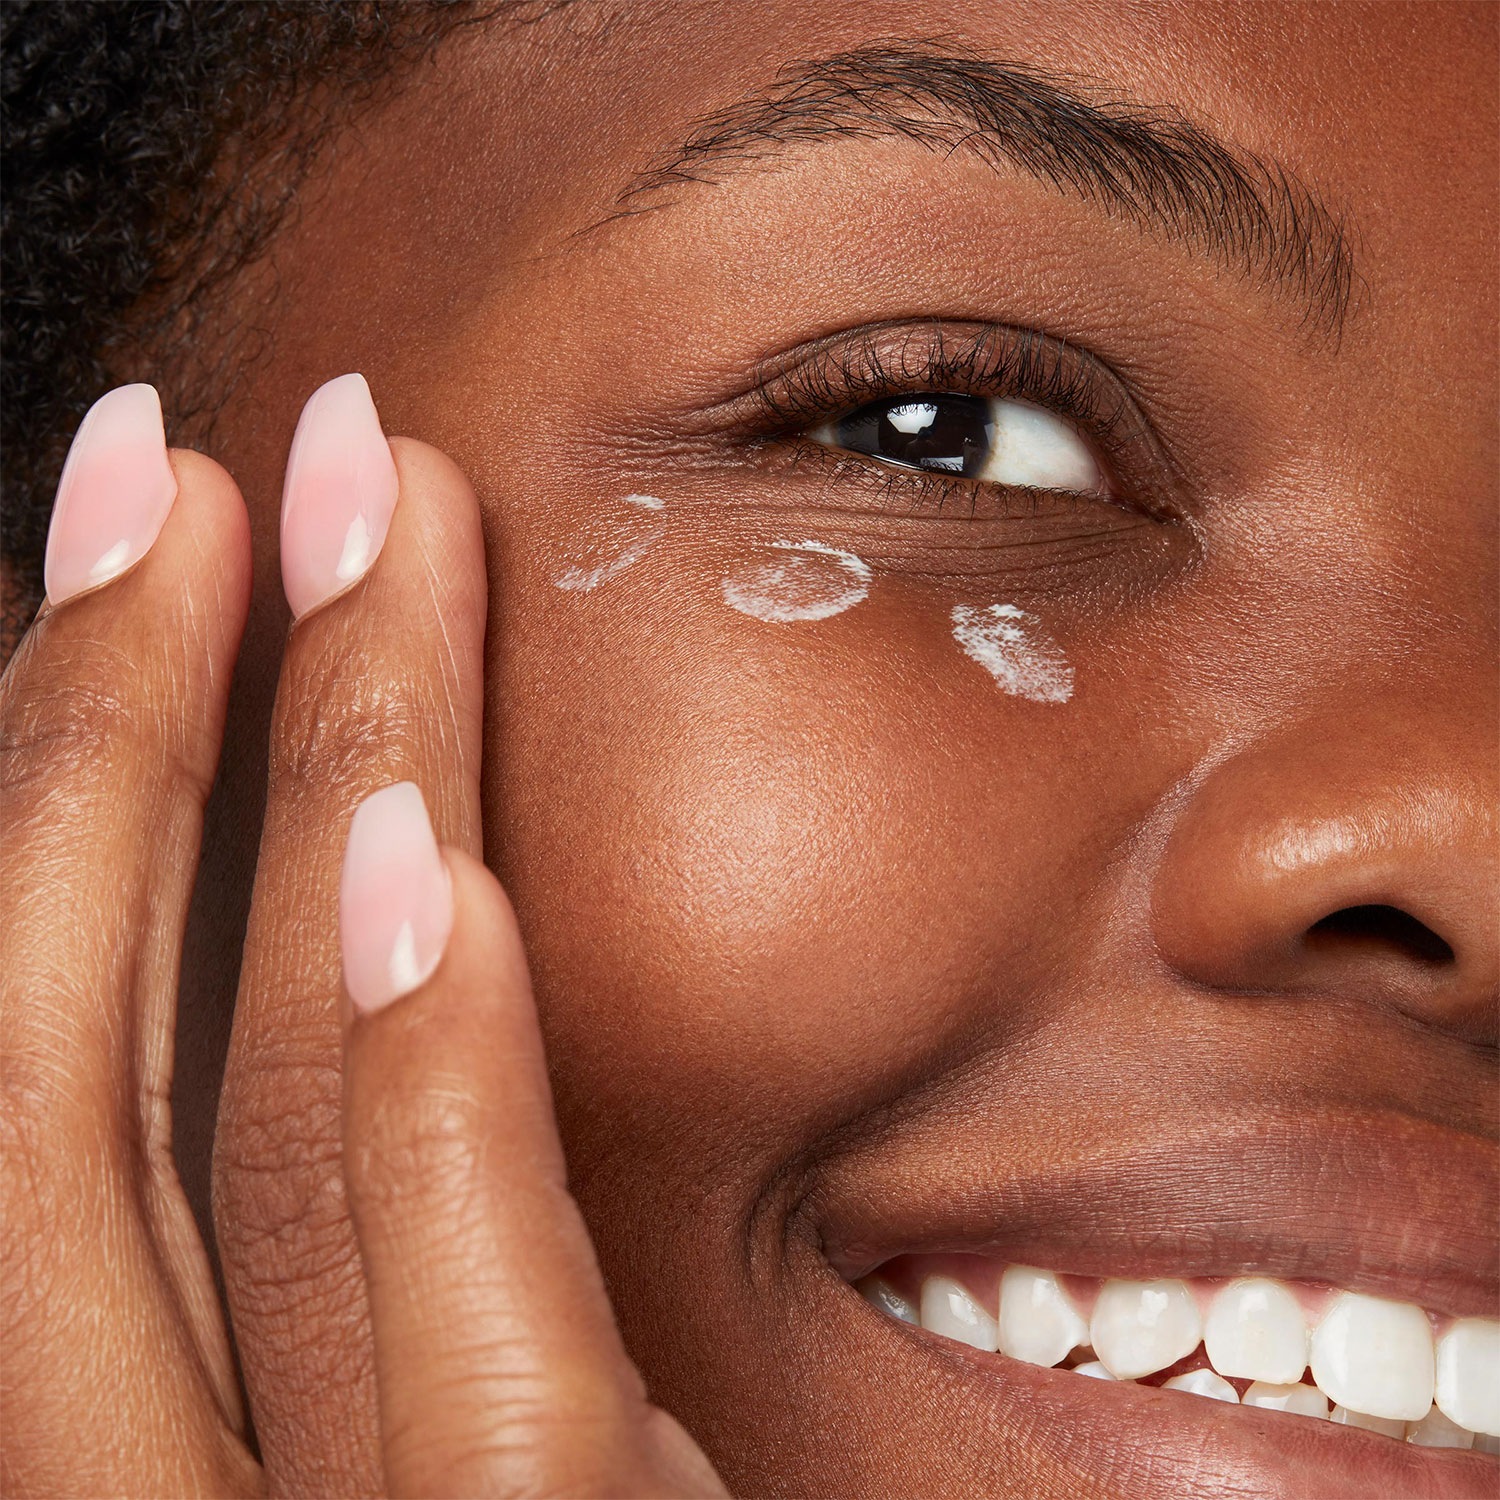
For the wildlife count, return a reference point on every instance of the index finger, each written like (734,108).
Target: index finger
(111,715)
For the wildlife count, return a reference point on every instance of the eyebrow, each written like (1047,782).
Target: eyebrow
(1147,164)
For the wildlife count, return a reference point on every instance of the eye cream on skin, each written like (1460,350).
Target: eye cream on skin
(1014,649)
(582,580)
(812,582)
(585,576)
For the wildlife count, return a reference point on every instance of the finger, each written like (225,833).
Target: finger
(382,680)
(499,1366)
(112,710)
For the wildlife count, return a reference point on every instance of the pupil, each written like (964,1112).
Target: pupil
(950,434)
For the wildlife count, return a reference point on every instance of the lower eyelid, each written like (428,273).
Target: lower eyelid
(1032,545)
(929,495)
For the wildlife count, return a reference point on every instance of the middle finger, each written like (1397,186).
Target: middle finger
(382,681)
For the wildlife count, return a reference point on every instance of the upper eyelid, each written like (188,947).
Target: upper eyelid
(871,360)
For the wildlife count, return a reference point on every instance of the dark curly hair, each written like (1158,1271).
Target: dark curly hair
(150,148)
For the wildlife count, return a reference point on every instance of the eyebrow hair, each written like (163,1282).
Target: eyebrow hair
(1147,164)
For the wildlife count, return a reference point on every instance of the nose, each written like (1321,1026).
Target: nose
(1342,859)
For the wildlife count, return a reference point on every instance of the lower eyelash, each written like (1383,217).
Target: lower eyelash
(909,492)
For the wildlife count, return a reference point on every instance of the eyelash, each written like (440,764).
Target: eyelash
(841,374)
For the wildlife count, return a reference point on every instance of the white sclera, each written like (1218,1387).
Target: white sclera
(1028,446)
(1034,448)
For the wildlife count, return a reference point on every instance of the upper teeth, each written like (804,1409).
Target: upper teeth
(1038,1322)
(1142,1326)
(1255,1329)
(1376,1359)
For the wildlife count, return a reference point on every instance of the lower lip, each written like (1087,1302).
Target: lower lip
(1143,1441)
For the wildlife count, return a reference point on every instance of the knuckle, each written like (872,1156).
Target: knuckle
(277,1147)
(80,719)
(61,719)
(418,1152)
(336,720)
(278,1201)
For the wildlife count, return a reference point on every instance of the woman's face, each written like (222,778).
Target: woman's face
(960,878)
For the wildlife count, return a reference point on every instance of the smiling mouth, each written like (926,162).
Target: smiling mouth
(1290,1265)
(1310,1351)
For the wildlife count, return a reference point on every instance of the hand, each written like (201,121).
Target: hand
(466,1281)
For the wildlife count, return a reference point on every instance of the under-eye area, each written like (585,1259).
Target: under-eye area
(631,528)
(1310,1351)
(1015,649)
(797,581)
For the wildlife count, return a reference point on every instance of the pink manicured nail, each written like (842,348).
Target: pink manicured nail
(395,898)
(339,494)
(114,494)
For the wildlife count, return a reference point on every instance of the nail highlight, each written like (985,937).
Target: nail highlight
(395,898)
(339,495)
(114,495)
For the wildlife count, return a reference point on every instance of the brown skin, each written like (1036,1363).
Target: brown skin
(485,1320)
(816,916)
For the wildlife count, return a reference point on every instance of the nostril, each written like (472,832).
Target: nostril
(1381,927)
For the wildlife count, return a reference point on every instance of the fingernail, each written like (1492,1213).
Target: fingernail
(114,494)
(395,898)
(339,494)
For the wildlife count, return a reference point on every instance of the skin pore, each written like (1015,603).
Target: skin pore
(841,951)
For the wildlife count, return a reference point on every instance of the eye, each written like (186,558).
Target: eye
(975,437)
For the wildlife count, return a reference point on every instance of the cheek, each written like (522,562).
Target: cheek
(765,869)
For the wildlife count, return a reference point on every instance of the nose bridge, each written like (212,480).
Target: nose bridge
(1347,856)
